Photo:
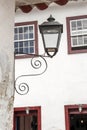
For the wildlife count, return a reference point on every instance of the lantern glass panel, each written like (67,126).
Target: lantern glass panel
(50,40)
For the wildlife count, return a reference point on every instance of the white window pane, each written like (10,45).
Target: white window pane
(80,40)
(20,30)
(31,49)
(16,45)
(85,40)
(79,25)
(85,24)
(15,37)
(20,36)
(20,44)
(25,29)
(73,25)
(15,30)
(26,36)
(74,41)
(31,29)
(26,44)
(31,35)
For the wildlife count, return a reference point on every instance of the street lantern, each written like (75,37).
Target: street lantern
(51,34)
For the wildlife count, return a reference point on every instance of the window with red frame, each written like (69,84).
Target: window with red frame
(76,117)
(25,39)
(77,34)
(24,120)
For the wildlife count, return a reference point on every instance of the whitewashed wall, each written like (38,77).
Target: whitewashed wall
(6,63)
(65,81)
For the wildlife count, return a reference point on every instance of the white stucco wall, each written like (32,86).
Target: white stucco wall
(65,81)
(6,63)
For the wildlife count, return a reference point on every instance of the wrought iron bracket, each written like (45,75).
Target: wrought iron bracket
(36,62)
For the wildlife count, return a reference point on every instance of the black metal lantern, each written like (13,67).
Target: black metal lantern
(51,35)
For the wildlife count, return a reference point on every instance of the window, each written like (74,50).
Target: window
(77,34)
(27,121)
(25,39)
(76,117)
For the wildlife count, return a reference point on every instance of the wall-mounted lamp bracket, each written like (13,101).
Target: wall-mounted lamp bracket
(51,31)
(36,62)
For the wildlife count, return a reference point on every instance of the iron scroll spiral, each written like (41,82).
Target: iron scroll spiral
(36,63)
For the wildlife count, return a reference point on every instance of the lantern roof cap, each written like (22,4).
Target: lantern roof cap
(51,21)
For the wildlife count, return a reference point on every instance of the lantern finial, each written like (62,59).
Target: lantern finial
(51,19)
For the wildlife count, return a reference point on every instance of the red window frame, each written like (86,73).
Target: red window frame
(20,111)
(35,23)
(77,50)
(73,109)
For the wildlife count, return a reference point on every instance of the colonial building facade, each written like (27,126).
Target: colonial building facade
(56,99)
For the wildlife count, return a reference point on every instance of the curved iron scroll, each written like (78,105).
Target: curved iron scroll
(36,62)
